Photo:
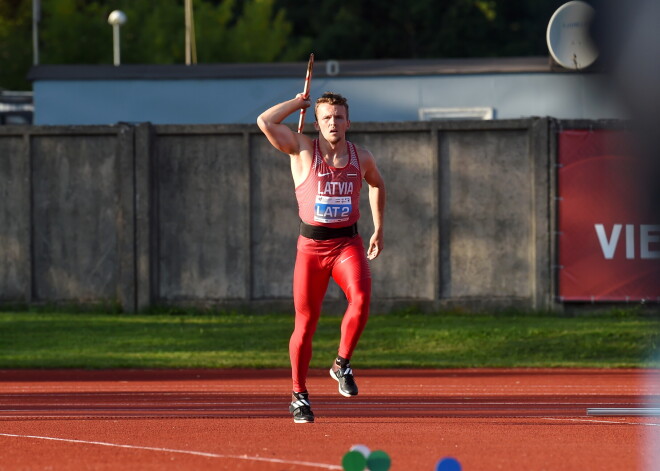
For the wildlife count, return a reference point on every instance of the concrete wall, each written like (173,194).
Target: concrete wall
(65,215)
(206,215)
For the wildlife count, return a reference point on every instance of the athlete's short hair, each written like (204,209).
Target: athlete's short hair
(331,98)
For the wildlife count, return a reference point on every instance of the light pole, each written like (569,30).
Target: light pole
(191,45)
(36,18)
(117,18)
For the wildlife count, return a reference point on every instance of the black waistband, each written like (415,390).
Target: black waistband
(326,233)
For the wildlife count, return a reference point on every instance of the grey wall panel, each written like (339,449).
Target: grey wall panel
(275,221)
(14,218)
(75,182)
(490,202)
(202,188)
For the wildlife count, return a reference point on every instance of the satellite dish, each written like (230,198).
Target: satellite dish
(568,36)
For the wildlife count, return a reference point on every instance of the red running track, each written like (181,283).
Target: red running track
(488,419)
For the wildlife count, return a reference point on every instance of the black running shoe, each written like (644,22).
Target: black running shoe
(301,409)
(344,376)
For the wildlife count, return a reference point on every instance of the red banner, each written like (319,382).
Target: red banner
(609,232)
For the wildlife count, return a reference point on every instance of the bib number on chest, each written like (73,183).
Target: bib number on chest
(329,209)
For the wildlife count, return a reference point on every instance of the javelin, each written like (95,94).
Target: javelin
(308,81)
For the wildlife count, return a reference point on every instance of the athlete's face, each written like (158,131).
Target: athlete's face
(332,122)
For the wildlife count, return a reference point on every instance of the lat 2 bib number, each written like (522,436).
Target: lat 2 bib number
(329,209)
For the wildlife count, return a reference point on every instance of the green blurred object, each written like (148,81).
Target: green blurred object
(379,461)
(353,461)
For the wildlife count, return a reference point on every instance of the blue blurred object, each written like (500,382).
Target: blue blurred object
(448,464)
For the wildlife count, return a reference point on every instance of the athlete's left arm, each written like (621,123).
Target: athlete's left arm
(376,200)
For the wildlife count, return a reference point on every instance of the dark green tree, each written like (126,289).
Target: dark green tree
(370,29)
(74,32)
(15,43)
(77,32)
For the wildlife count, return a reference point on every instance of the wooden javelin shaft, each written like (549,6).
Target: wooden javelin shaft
(308,81)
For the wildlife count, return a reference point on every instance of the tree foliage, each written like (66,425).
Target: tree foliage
(372,29)
(77,32)
(15,43)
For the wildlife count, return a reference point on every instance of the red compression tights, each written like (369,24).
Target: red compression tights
(345,260)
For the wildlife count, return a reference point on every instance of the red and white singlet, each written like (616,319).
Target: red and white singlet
(330,196)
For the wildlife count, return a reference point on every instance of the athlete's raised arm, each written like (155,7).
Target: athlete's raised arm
(280,135)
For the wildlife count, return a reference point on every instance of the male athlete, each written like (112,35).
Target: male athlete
(327,174)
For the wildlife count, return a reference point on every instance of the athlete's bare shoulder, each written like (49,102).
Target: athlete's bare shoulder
(368,166)
(361,149)
(365,156)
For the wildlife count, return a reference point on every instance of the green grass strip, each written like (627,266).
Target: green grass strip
(414,340)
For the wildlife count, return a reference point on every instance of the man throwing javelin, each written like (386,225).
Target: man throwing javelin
(327,174)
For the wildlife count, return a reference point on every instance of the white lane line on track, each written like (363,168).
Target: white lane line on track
(184,452)
(600,421)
